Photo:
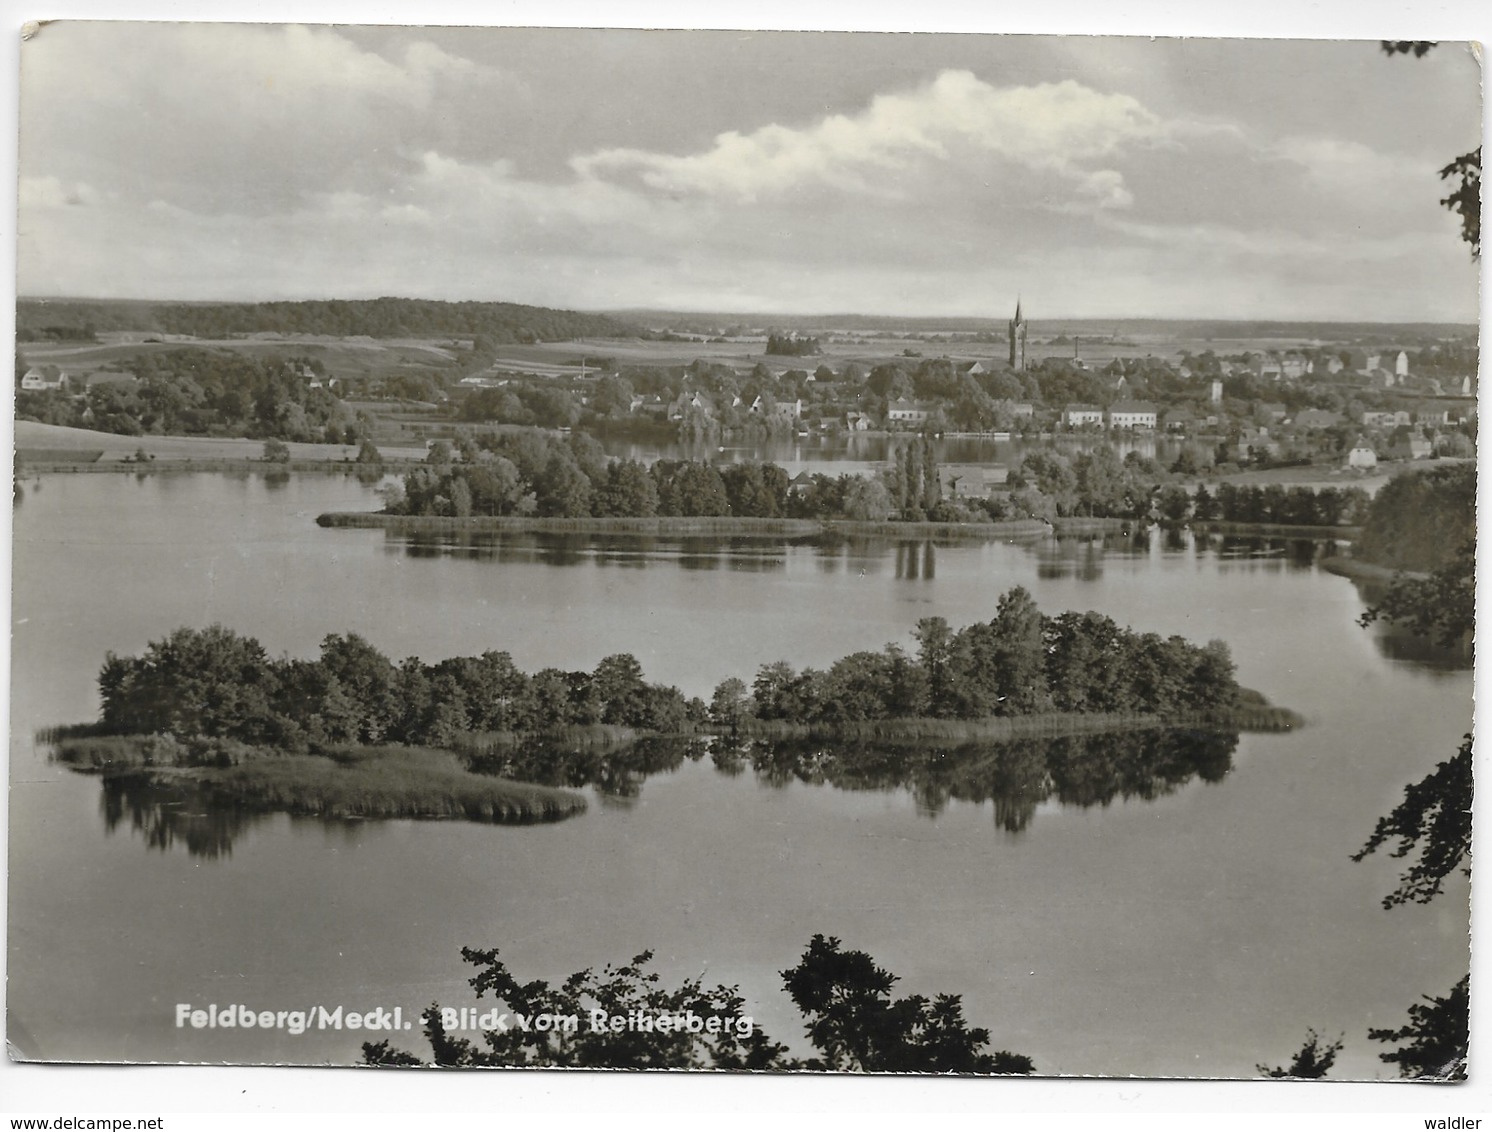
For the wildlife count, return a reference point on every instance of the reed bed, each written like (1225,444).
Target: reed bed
(922,730)
(388,782)
(1286,530)
(689,526)
(1245,716)
(91,752)
(591,737)
(349,782)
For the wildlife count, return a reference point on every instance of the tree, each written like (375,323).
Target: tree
(460,497)
(866,499)
(1438,1034)
(1442,606)
(1175,504)
(856,1025)
(367,453)
(627,992)
(1019,659)
(627,491)
(276,452)
(1313,1062)
(730,704)
(1435,818)
(496,488)
(1435,815)
(618,683)
(689,488)
(934,655)
(563,489)
(852,1021)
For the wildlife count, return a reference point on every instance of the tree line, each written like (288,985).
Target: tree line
(212,684)
(850,1018)
(531,473)
(201,392)
(1421,521)
(1269,503)
(373,318)
(1021,662)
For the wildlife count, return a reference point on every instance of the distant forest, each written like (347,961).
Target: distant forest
(45,319)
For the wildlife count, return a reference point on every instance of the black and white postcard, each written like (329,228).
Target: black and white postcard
(740,550)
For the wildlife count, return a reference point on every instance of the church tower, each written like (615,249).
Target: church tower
(1018,339)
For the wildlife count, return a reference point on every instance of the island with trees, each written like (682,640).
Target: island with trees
(352,734)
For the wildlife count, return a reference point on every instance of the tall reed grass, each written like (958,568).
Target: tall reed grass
(1249,715)
(685,526)
(388,782)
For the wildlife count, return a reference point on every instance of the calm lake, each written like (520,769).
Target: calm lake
(1192,929)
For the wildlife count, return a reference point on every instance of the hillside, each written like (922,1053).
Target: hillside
(60,319)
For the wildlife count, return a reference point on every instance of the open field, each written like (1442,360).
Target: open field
(1095,342)
(344,357)
(1321,475)
(33,437)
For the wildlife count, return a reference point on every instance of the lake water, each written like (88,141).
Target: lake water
(1190,930)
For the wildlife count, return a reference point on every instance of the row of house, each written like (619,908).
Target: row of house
(1121,414)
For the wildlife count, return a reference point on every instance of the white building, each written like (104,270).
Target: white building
(1361,456)
(902,411)
(43,379)
(1132,414)
(1077,415)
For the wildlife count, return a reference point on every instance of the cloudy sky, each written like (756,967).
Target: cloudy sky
(745,171)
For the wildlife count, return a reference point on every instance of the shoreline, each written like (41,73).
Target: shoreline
(1255,716)
(370,782)
(686,525)
(376,782)
(1288,530)
(1358,570)
(168,466)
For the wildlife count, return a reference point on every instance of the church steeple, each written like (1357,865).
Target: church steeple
(1018,338)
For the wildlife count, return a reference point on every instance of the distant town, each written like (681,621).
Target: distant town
(406,377)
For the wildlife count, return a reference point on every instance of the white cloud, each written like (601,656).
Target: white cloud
(293,162)
(1054,127)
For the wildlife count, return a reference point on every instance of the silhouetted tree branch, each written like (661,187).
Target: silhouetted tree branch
(1313,1061)
(1435,817)
(1438,1035)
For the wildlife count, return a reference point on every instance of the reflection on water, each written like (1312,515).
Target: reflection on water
(1016,776)
(616,771)
(916,560)
(1080,557)
(750,554)
(168,816)
(1201,921)
(1398,642)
